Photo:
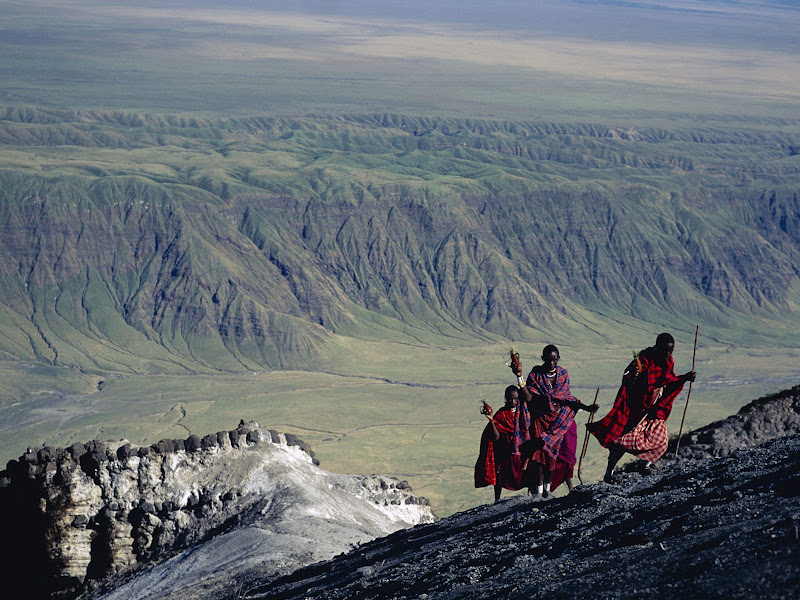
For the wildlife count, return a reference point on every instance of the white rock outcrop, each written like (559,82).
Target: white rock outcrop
(195,513)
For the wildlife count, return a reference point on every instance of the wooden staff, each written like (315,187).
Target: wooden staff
(689,394)
(586,439)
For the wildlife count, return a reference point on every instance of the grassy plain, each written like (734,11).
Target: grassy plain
(231,58)
(409,412)
(404,409)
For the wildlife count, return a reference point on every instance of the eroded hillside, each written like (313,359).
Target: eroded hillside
(249,502)
(156,243)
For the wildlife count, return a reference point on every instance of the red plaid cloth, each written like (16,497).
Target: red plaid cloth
(569,445)
(648,440)
(498,462)
(560,473)
(565,465)
(638,397)
(550,419)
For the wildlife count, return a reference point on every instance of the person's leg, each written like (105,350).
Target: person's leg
(569,484)
(497,489)
(547,477)
(537,480)
(614,454)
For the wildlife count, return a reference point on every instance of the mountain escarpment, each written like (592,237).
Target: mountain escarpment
(154,243)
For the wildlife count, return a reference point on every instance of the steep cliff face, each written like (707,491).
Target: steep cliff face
(91,513)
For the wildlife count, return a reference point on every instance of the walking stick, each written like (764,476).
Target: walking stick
(689,394)
(586,439)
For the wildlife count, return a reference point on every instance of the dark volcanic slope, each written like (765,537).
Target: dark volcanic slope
(763,419)
(713,528)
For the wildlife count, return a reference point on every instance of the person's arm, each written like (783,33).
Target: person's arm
(679,381)
(536,402)
(571,401)
(525,394)
(489,414)
(495,433)
(516,368)
(576,405)
(634,369)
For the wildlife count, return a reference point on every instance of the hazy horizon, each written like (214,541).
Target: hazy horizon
(504,59)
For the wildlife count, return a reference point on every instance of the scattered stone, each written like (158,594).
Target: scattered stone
(618,546)
(163,446)
(76,451)
(45,454)
(124,452)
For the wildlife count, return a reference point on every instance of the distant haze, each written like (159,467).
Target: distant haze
(403,56)
(765,25)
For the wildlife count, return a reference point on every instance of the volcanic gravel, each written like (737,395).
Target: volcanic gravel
(725,527)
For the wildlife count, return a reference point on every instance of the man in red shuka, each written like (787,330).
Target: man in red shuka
(637,422)
(499,462)
(552,407)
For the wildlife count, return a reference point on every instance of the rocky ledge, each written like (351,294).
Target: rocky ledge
(81,517)
(761,420)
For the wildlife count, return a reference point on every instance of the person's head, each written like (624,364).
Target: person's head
(550,357)
(512,396)
(665,344)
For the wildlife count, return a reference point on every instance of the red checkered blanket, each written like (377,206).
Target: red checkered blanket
(650,394)
(648,440)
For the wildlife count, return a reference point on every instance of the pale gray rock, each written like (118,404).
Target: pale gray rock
(219,510)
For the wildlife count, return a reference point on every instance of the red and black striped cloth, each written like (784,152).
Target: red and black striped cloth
(638,397)
(565,464)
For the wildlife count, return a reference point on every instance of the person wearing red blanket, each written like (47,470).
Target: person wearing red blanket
(499,462)
(552,407)
(637,422)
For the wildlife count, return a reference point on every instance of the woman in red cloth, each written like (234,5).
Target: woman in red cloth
(637,422)
(499,462)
